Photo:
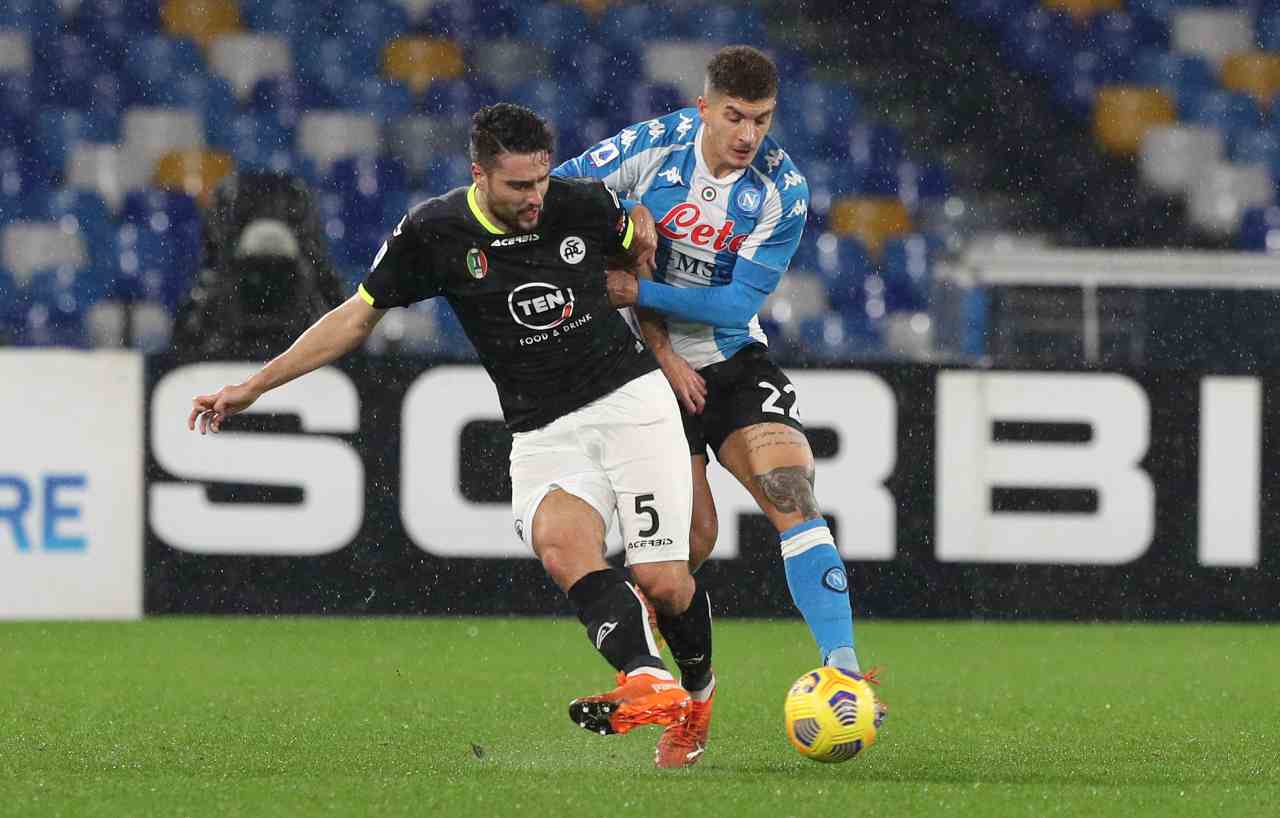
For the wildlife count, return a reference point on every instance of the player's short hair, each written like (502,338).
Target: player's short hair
(507,128)
(743,72)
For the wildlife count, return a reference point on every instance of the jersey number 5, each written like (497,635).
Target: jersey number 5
(641,508)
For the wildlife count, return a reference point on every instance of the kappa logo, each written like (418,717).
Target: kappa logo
(603,634)
(573,250)
(538,305)
(509,241)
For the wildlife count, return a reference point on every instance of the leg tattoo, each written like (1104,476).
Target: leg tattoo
(790,489)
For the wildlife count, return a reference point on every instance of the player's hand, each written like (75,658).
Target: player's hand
(645,241)
(209,411)
(689,386)
(623,288)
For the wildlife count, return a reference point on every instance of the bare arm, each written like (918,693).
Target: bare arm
(338,332)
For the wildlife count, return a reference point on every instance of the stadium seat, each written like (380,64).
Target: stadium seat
(1256,146)
(1084,10)
(798,296)
(39,17)
(210,96)
(200,20)
(836,338)
(906,268)
(682,64)
(155,61)
(377,23)
(557,26)
(319,57)
(18,104)
(26,247)
(1228,110)
(722,23)
(447,171)
(506,63)
(380,98)
(873,221)
(292,19)
(596,67)
(1212,33)
(243,59)
(193,171)
(83,212)
(1260,230)
(57,131)
(420,61)
(65,68)
(922,183)
(1255,73)
(1119,36)
(96,167)
(15,51)
(149,133)
(1171,155)
(817,117)
(1039,41)
(642,101)
(55,316)
(467,21)
(620,23)
(328,136)
(876,146)
(563,104)
(1221,192)
(843,264)
(1180,75)
(416,140)
(279,100)
(1123,114)
(1267,29)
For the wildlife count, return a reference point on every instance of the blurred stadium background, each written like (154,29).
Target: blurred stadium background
(1086,188)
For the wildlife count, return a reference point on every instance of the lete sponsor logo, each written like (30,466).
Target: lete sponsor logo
(685,222)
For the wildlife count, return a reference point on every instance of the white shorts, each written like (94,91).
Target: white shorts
(624,453)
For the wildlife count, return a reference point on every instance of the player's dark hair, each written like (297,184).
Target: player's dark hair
(506,128)
(743,72)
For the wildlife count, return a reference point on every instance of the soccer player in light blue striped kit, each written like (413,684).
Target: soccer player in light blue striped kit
(730,208)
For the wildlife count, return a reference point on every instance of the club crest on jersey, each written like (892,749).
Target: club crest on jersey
(684,221)
(538,305)
(749,200)
(477,263)
(573,250)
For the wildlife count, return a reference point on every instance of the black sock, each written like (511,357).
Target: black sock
(689,637)
(616,621)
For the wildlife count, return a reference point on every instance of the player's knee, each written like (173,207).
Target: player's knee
(670,591)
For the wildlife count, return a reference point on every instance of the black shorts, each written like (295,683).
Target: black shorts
(747,389)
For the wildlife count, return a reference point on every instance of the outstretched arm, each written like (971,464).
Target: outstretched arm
(338,332)
(732,305)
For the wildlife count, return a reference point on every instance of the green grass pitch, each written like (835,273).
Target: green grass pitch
(467,717)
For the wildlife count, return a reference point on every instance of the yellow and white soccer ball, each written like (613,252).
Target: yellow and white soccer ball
(831,715)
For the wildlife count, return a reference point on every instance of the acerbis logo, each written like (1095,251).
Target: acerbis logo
(538,305)
(513,240)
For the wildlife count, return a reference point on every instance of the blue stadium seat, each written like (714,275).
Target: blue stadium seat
(376,22)
(922,183)
(876,145)
(150,266)
(108,28)
(40,17)
(383,98)
(248,136)
(864,180)
(721,23)
(467,21)
(362,181)
(18,104)
(646,100)
(1118,37)
(355,56)
(85,212)
(1254,146)
(209,94)
(817,117)
(843,264)
(1229,111)
(20,184)
(622,24)
(163,229)
(55,316)
(294,19)
(562,103)
(597,68)
(1260,230)
(837,338)
(906,268)
(447,171)
(154,62)
(1182,75)
(457,97)
(280,100)
(557,26)
(1267,29)
(1077,85)
(67,67)
(1161,11)
(991,12)
(13,305)
(1039,41)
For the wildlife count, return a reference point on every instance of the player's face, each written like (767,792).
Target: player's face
(514,188)
(733,130)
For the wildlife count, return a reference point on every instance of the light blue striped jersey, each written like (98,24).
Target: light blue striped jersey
(704,224)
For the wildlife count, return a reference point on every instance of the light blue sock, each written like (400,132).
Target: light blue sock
(820,589)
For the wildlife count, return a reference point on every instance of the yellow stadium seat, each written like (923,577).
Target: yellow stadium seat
(420,61)
(1082,10)
(1122,115)
(194,172)
(200,20)
(1256,73)
(873,220)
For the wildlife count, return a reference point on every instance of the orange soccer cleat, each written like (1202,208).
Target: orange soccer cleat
(641,698)
(681,745)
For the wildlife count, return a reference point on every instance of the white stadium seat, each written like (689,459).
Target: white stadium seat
(1171,155)
(97,167)
(243,59)
(149,133)
(683,64)
(26,247)
(797,297)
(15,52)
(1212,33)
(507,63)
(327,136)
(416,140)
(1222,192)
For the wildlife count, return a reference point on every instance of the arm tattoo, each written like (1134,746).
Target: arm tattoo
(790,488)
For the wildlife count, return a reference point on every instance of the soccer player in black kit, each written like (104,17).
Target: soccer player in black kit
(521,258)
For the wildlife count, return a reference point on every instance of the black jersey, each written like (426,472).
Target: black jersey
(533,304)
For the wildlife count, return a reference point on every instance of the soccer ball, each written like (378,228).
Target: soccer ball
(831,715)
